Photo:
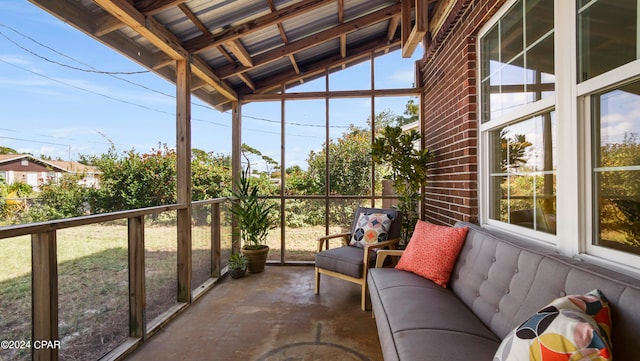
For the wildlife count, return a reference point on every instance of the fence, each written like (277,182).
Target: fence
(137,264)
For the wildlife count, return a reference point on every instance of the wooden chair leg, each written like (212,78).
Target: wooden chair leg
(364,297)
(317,281)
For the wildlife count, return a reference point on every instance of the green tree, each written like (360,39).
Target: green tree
(64,198)
(620,189)
(7,150)
(135,180)
(12,208)
(411,113)
(513,149)
(408,166)
(349,164)
(248,153)
(211,175)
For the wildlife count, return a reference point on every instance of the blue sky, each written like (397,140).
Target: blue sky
(51,109)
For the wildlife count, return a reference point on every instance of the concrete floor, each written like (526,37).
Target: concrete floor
(270,316)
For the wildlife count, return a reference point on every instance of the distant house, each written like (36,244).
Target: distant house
(36,172)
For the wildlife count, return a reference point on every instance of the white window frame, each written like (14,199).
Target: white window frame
(524,112)
(574,232)
(609,80)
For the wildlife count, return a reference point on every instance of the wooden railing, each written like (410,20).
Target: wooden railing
(44,276)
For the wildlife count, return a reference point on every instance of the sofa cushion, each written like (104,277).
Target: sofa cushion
(347,260)
(419,320)
(432,251)
(575,327)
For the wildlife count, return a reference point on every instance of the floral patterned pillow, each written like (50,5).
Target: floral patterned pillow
(572,328)
(371,228)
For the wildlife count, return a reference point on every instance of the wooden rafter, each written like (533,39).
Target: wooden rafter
(164,40)
(106,23)
(152,7)
(440,13)
(208,41)
(343,37)
(285,39)
(241,53)
(216,81)
(313,40)
(419,29)
(203,29)
(361,52)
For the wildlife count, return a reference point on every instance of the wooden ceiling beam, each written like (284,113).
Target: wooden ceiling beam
(152,7)
(241,53)
(148,27)
(194,19)
(203,71)
(107,23)
(440,13)
(247,81)
(405,20)
(208,41)
(419,29)
(86,22)
(164,40)
(313,40)
(285,39)
(393,27)
(361,52)
(203,29)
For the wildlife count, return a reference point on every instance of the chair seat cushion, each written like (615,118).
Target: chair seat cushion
(347,260)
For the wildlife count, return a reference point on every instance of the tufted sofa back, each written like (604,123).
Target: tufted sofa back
(504,282)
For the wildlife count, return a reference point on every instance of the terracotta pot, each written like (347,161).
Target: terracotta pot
(256,258)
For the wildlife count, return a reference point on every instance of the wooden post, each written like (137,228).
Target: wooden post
(216,228)
(137,294)
(236,166)
(183,153)
(44,295)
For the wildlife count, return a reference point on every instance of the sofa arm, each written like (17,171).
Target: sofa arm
(382,255)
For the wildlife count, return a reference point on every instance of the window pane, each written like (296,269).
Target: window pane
(523,184)
(539,19)
(512,74)
(607,35)
(512,33)
(393,72)
(305,160)
(350,146)
(355,77)
(616,175)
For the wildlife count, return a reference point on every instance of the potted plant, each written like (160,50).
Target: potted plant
(237,265)
(408,166)
(254,221)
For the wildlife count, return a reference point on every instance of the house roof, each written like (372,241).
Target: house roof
(248,47)
(60,165)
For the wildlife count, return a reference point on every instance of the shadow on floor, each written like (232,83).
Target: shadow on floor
(270,316)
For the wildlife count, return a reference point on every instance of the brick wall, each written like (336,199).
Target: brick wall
(450,113)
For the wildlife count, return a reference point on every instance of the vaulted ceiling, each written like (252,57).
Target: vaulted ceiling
(239,48)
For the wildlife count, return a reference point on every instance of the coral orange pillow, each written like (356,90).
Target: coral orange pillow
(432,251)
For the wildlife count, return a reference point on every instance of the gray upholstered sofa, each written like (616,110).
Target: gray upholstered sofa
(497,283)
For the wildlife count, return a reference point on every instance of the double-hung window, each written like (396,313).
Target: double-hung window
(533,82)
(608,72)
(517,82)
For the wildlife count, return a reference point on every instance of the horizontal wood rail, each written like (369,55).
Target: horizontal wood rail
(44,275)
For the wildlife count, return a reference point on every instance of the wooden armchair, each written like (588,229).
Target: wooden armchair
(351,263)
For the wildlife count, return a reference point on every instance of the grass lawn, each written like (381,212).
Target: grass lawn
(93,281)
